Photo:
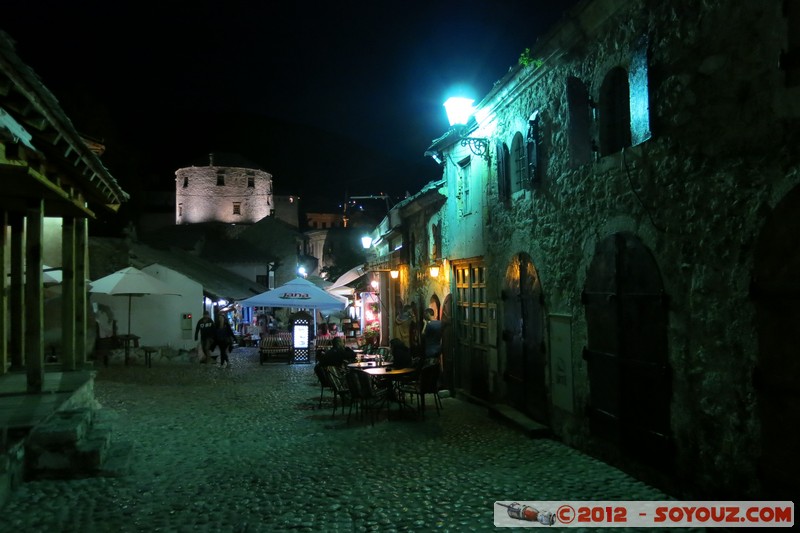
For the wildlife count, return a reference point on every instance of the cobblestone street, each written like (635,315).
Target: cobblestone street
(245,449)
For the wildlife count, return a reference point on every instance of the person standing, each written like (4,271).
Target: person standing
(223,337)
(432,338)
(263,324)
(205,328)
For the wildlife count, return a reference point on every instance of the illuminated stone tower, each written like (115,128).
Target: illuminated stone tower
(231,195)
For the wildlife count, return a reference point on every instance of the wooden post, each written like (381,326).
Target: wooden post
(68,355)
(3,297)
(17,303)
(80,255)
(34,297)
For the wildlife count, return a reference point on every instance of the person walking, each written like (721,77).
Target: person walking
(223,337)
(205,329)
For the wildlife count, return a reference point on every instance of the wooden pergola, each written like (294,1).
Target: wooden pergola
(46,170)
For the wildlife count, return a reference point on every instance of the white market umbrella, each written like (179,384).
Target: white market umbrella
(348,277)
(51,275)
(299,293)
(131,282)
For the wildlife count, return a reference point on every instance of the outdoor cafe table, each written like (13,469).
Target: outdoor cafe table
(127,340)
(394,375)
(368,364)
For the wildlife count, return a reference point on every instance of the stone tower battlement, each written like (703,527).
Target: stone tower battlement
(231,195)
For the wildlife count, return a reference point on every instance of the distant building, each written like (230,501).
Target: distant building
(222,194)
(324,220)
(287,209)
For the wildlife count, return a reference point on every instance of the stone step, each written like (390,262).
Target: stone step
(92,452)
(76,444)
(118,461)
(518,420)
(12,469)
(63,429)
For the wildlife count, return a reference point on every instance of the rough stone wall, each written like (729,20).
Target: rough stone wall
(202,200)
(696,194)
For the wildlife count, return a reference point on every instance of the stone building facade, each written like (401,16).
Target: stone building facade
(618,242)
(231,195)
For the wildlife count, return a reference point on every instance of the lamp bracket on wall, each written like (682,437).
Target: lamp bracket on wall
(477,145)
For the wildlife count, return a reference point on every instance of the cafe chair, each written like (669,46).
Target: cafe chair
(426,382)
(341,394)
(357,399)
(373,398)
(324,381)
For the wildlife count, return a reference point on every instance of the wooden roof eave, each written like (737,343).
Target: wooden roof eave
(39,109)
(32,185)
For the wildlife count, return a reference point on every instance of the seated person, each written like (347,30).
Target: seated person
(401,354)
(337,354)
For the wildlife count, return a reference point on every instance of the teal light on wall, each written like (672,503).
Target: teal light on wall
(459,111)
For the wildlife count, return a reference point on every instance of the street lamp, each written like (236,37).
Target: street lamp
(366,242)
(459,112)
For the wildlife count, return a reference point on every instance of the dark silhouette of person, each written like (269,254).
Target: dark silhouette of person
(206,329)
(432,337)
(223,337)
(337,354)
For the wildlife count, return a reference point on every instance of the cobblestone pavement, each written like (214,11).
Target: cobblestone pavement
(245,449)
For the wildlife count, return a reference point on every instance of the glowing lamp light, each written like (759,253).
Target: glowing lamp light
(394,273)
(366,241)
(459,110)
(434,271)
(374,284)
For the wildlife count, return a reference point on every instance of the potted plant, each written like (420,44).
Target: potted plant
(372,333)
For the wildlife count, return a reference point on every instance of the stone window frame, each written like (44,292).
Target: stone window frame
(503,173)
(463,177)
(519,164)
(220,179)
(533,150)
(580,110)
(251,182)
(614,114)
(237,208)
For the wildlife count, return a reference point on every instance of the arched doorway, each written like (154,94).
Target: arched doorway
(776,292)
(627,356)
(523,337)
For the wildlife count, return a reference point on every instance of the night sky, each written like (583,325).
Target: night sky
(326,96)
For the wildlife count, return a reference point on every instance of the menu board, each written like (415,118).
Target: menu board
(300,335)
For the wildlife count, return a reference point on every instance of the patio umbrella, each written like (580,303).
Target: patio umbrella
(51,275)
(131,282)
(299,293)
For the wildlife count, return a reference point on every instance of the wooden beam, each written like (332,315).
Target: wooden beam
(34,297)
